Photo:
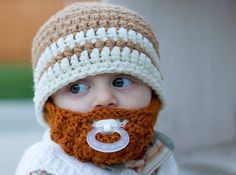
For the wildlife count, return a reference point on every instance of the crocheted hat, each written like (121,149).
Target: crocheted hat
(85,39)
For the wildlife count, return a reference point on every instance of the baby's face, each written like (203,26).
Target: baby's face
(107,90)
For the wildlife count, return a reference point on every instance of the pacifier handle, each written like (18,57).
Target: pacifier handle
(108,126)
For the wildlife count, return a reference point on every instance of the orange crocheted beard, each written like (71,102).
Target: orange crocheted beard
(69,129)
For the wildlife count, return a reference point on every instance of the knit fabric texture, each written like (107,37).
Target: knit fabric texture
(48,156)
(70,129)
(87,39)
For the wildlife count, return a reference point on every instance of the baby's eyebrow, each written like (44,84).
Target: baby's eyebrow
(80,80)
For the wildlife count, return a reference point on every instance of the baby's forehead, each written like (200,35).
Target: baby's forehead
(109,76)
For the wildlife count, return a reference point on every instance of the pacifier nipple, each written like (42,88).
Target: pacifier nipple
(108,126)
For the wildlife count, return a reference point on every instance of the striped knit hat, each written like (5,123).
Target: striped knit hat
(86,39)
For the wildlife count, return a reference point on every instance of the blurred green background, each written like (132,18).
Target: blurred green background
(21,20)
(16,81)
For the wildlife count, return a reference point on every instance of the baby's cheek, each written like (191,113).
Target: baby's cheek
(135,102)
(80,105)
(142,97)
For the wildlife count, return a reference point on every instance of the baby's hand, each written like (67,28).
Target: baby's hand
(40,172)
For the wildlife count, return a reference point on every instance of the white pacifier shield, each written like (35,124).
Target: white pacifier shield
(108,126)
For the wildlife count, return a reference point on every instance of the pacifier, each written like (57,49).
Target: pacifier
(108,126)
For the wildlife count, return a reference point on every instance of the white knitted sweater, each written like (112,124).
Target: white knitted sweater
(47,155)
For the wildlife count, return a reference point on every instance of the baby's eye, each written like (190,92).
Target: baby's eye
(122,82)
(79,88)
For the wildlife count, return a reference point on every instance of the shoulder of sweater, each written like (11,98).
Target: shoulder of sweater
(38,155)
(39,148)
(47,155)
(33,157)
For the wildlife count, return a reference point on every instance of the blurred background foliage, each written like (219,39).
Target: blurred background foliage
(16,81)
(20,21)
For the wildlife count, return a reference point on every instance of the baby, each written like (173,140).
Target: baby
(98,91)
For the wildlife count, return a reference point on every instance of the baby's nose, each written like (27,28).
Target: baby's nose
(105,98)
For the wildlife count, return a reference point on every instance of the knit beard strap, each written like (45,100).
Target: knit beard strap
(69,129)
